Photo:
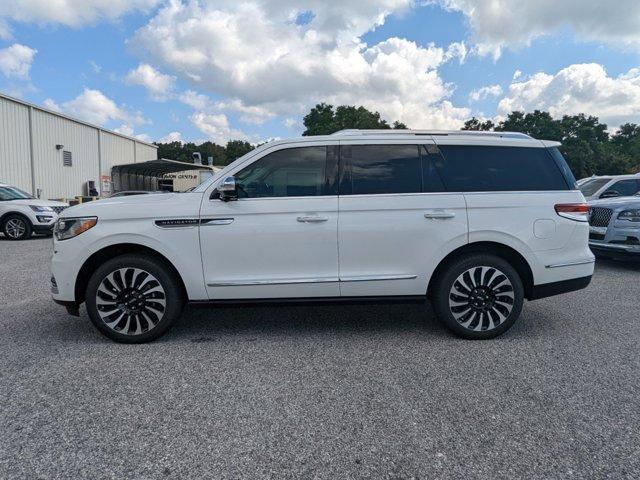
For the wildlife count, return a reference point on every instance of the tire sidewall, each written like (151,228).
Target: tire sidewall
(174,300)
(27,226)
(446,280)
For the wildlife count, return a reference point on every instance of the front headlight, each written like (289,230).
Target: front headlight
(72,227)
(38,208)
(631,215)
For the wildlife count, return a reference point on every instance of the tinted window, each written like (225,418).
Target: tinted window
(625,188)
(563,166)
(486,169)
(431,181)
(379,169)
(294,172)
(590,187)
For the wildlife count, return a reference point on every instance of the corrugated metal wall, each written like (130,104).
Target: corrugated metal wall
(145,152)
(56,180)
(15,161)
(50,129)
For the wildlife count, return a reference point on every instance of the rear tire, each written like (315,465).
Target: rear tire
(478,296)
(134,299)
(16,227)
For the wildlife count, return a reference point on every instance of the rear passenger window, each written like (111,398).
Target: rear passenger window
(485,169)
(379,169)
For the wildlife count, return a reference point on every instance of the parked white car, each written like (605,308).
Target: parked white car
(609,186)
(21,214)
(476,222)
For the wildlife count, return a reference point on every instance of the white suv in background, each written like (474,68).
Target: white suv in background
(611,186)
(476,222)
(21,214)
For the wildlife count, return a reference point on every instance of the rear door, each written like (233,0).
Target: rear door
(395,218)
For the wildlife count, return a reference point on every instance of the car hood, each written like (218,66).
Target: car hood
(36,202)
(167,205)
(616,202)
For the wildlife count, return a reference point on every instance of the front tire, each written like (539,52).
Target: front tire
(479,296)
(16,227)
(134,299)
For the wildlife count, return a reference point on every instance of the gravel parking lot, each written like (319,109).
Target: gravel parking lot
(320,392)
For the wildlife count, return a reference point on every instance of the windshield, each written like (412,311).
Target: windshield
(590,187)
(13,193)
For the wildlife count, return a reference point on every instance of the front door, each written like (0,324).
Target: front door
(279,238)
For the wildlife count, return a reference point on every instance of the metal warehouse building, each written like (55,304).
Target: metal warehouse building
(54,156)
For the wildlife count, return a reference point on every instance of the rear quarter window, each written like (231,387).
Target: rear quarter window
(467,168)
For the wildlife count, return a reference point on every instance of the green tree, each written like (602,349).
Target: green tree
(478,125)
(236,149)
(323,120)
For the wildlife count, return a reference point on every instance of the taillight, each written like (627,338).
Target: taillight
(573,211)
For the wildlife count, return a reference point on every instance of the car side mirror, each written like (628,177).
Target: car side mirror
(610,194)
(227,189)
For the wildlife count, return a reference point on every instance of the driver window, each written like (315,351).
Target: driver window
(624,188)
(294,172)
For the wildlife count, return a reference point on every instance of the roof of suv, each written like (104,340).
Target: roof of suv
(470,137)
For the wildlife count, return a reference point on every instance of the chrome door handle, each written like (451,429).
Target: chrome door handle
(312,219)
(216,221)
(439,214)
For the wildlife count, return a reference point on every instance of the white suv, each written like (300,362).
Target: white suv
(21,214)
(475,222)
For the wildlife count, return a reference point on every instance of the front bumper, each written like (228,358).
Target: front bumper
(615,250)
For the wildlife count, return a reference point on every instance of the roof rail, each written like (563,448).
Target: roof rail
(470,133)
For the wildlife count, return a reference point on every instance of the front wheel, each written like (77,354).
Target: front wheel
(479,296)
(16,227)
(133,299)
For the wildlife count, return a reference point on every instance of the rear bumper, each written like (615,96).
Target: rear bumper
(557,288)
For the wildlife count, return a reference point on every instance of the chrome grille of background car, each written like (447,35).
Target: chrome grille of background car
(58,209)
(600,217)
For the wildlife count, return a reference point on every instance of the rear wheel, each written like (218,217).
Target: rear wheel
(133,299)
(16,227)
(479,296)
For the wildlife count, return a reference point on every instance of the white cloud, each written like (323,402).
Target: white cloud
(158,84)
(196,100)
(261,63)
(485,92)
(513,23)
(580,88)
(71,13)
(517,74)
(172,137)
(95,67)
(16,60)
(216,127)
(93,106)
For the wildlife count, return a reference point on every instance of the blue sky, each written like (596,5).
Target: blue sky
(221,70)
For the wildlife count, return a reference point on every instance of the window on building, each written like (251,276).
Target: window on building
(66,158)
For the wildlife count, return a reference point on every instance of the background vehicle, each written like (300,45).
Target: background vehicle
(128,193)
(612,186)
(477,222)
(21,214)
(614,230)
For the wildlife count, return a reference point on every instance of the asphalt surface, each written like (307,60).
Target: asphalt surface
(329,392)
